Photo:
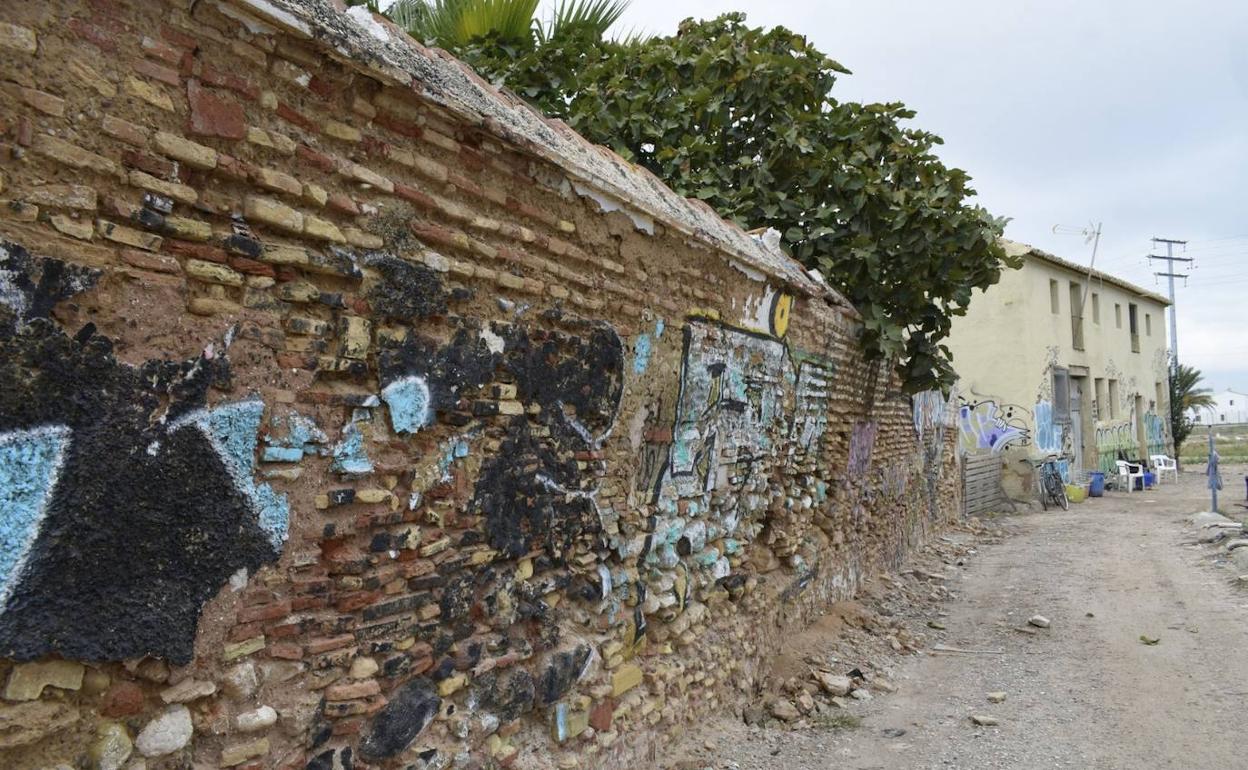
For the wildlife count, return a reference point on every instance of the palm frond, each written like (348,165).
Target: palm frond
(455,23)
(509,20)
(411,15)
(592,16)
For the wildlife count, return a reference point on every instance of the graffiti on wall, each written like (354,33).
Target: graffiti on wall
(933,413)
(1049,435)
(810,412)
(988,424)
(929,408)
(1155,433)
(731,395)
(128,469)
(861,445)
(1114,440)
(560,402)
(742,392)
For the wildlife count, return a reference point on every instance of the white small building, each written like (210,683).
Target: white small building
(1230,407)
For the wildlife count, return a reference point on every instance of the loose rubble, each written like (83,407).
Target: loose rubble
(836,667)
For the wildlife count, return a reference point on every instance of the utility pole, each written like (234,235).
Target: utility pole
(1171,275)
(1092,235)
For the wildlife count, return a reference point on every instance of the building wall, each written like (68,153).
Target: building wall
(1230,408)
(336,431)
(1011,341)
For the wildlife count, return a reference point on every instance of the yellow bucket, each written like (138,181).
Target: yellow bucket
(1076,494)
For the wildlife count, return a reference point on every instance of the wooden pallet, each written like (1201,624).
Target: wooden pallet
(981,485)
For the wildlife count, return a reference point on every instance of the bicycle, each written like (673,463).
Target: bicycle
(1052,487)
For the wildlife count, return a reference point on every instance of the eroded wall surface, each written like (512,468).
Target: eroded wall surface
(337,433)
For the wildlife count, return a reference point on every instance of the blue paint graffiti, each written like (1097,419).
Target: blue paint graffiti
(232,430)
(992,426)
(302,437)
(641,353)
(1048,435)
(349,455)
(30,461)
(408,399)
(644,348)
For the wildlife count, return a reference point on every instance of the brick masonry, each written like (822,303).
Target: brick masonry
(337,430)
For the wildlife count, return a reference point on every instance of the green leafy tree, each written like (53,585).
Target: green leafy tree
(1185,395)
(743,118)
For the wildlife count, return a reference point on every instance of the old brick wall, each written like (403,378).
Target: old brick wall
(338,430)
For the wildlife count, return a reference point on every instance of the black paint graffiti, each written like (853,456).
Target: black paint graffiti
(532,492)
(406,290)
(142,524)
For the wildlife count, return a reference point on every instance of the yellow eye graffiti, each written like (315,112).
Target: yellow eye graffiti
(781,305)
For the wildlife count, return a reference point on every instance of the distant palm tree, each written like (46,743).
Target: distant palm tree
(453,24)
(1184,397)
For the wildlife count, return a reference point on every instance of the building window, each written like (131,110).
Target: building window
(1054,304)
(1076,316)
(1061,395)
(1117,315)
(1098,386)
(1113,400)
(1096,308)
(1148,324)
(1133,323)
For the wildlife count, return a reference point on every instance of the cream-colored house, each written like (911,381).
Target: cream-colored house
(1059,359)
(1230,407)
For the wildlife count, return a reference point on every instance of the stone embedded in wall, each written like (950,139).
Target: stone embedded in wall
(410,709)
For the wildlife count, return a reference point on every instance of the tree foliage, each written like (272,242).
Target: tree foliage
(743,118)
(1185,395)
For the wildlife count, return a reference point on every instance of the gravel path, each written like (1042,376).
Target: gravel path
(1085,693)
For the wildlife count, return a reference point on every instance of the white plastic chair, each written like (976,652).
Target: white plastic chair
(1164,465)
(1128,473)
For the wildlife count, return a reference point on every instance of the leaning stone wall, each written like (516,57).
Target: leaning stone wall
(338,431)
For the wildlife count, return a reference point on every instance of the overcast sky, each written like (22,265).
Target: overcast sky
(1134,114)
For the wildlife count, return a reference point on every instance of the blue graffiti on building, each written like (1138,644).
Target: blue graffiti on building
(992,426)
(303,437)
(1155,433)
(1048,435)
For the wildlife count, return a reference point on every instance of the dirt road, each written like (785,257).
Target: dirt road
(1085,693)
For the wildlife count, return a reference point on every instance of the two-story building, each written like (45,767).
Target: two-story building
(1060,359)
